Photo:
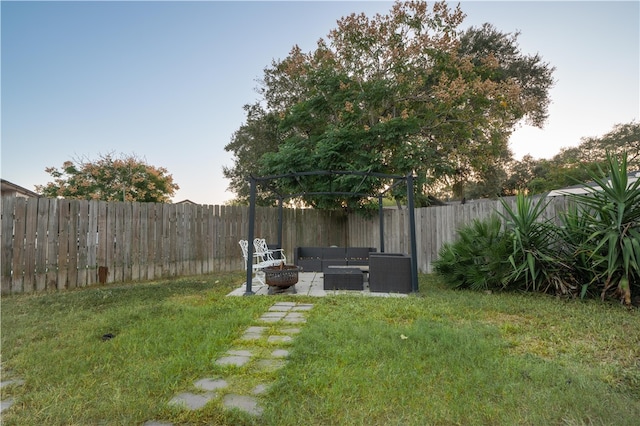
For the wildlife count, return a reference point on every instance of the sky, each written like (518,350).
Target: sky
(167,81)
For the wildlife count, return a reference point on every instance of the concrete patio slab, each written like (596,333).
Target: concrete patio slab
(312,284)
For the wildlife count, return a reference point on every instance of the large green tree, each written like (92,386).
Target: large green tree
(110,178)
(398,93)
(257,136)
(576,164)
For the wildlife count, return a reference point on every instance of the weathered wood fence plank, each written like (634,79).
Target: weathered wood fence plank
(41,242)
(8,221)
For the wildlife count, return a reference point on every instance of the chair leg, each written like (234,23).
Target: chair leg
(259,277)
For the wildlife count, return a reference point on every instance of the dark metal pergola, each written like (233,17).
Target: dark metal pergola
(397,180)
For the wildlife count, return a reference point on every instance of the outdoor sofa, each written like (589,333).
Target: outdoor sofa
(318,259)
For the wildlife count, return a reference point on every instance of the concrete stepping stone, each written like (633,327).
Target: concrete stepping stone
(211,384)
(291,330)
(294,318)
(289,304)
(274,315)
(251,336)
(16,382)
(190,400)
(6,404)
(271,364)
(253,333)
(302,307)
(247,404)
(270,319)
(279,339)
(280,353)
(156,423)
(260,389)
(280,308)
(235,357)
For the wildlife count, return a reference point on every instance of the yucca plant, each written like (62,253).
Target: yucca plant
(477,259)
(612,217)
(535,265)
(575,251)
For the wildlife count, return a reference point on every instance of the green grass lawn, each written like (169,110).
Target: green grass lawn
(442,357)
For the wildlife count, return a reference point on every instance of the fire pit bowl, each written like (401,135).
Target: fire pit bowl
(282,276)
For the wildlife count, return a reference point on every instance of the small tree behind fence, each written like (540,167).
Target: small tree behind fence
(50,244)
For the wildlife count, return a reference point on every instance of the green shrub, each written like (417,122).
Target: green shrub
(574,251)
(534,260)
(477,259)
(596,250)
(611,218)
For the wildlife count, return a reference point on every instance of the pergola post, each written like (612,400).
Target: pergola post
(381,224)
(252,219)
(412,234)
(279,222)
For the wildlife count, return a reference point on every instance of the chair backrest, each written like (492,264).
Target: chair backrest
(244,245)
(261,247)
(266,255)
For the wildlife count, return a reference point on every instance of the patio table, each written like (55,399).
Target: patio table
(343,279)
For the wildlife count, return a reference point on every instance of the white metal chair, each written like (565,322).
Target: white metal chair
(266,254)
(257,264)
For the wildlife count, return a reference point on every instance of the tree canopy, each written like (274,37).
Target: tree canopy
(575,164)
(406,92)
(110,178)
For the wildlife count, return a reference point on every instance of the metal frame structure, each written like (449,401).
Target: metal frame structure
(408,179)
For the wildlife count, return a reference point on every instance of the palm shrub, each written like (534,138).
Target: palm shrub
(535,264)
(611,216)
(477,259)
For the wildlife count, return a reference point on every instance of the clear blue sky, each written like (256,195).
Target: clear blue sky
(167,80)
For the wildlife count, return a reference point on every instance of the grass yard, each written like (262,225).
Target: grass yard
(442,357)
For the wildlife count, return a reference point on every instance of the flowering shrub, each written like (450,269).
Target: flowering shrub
(126,178)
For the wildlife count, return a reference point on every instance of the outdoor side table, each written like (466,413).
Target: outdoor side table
(343,279)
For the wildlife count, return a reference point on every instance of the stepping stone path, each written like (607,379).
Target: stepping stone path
(7,403)
(282,320)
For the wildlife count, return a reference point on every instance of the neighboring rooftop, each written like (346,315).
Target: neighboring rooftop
(10,188)
(588,187)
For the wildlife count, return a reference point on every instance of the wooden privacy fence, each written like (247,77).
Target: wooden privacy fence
(434,226)
(58,244)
